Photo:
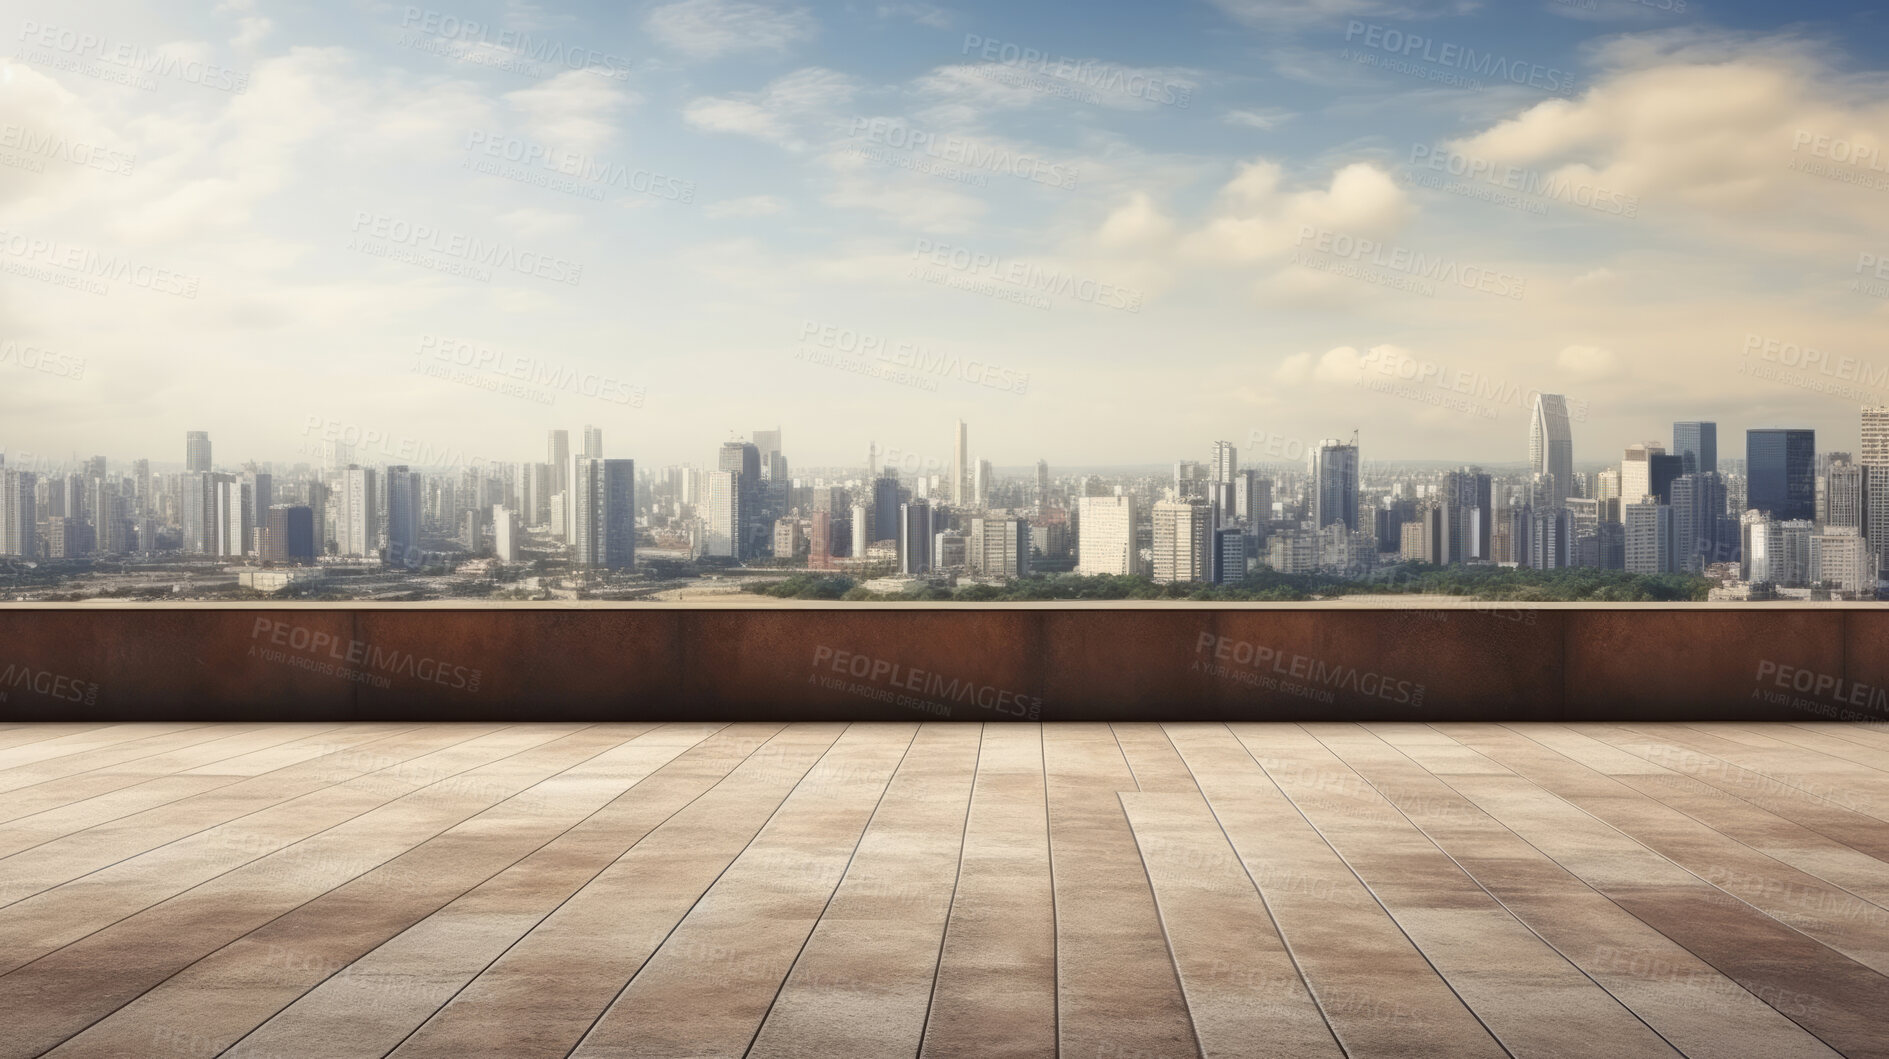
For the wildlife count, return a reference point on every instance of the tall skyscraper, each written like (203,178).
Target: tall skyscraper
(235,517)
(1846,496)
(1252,498)
(1470,492)
(357,513)
(1042,486)
(770,459)
(406,491)
(558,455)
(1696,443)
(1551,445)
(1874,457)
(915,533)
(999,547)
(1649,538)
(593,443)
(1105,540)
(1702,533)
(1226,461)
(1335,484)
(507,534)
(862,531)
(197,452)
(264,485)
(606,514)
(1781,472)
(1230,562)
(960,465)
(1636,473)
(885,509)
(1182,541)
(722,515)
(19,517)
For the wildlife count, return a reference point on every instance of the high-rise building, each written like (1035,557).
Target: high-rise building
(1781,469)
(357,513)
(605,520)
(1335,484)
(1846,496)
(1471,493)
(1636,471)
(406,491)
(769,459)
(558,455)
(1226,461)
(593,443)
(1841,561)
(722,517)
(1551,446)
(19,515)
(1042,486)
(235,516)
(1181,540)
(1190,479)
(999,547)
(1696,444)
(145,502)
(915,537)
(1874,457)
(196,452)
(1649,545)
(820,541)
(507,534)
(289,536)
(744,459)
(1550,539)
(1702,533)
(862,528)
(1105,541)
(885,509)
(960,464)
(1252,498)
(1229,563)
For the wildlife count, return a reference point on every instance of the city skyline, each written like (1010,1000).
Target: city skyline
(738,212)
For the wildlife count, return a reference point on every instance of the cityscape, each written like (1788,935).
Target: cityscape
(1263,518)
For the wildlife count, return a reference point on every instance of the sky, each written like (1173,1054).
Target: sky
(1098,233)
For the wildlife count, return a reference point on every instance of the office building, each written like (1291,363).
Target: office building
(1252,498)
(1841,561)
(1696,445)
(1702,533)
(1551,447)
(769,459)
(1636,475)
(196,452)
(960,464)
(999,547)
(234,517)
(593,443)
(1335,473)
(1042,486)
(289,536)
(19,514)
(357,513)
(604,519)
(508,534)
(885,509)
(405,495)
(1226,462)
(1649,538)
(1780,468)
(1470,492)
(1874,456)
(1846,496)
(1181,540)
(1229,562)
(1105,537)
(862,529)
(820,541)
(915,537)
(558,455)
(722,514)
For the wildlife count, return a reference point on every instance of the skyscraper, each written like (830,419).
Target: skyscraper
(1701,532)
(19,518)
(722,517)
(1335,484)
(1781,472)
(593,443)
(915,533)
(1230,561)
(1105,540)
(770,461)
(1181,540)
(885,509)
(999,547)
(235,517)
(1042,486)
(1874,457)
(1636,473)
(197,451)
(558,455)
(1551,445)
(290,534)
(605,521)
(357,514)
(1846,496)
(1649,538)
(1470,493)
(405,494)
(960,465)
(1696,443)
(1226,461)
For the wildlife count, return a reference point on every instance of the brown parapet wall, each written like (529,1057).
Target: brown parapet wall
(955,662)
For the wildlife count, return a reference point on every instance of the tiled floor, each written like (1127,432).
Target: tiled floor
(831,890)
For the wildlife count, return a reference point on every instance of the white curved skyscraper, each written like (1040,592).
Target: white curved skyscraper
(1551,444)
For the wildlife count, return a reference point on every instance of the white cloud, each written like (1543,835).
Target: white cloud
(1587,361)
(705,29)
(1260,218)
(1265,119)
(779,113)
(1341,365)
(1136,223)
(576,110)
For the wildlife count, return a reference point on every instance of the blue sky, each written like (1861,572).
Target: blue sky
(1263,222)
